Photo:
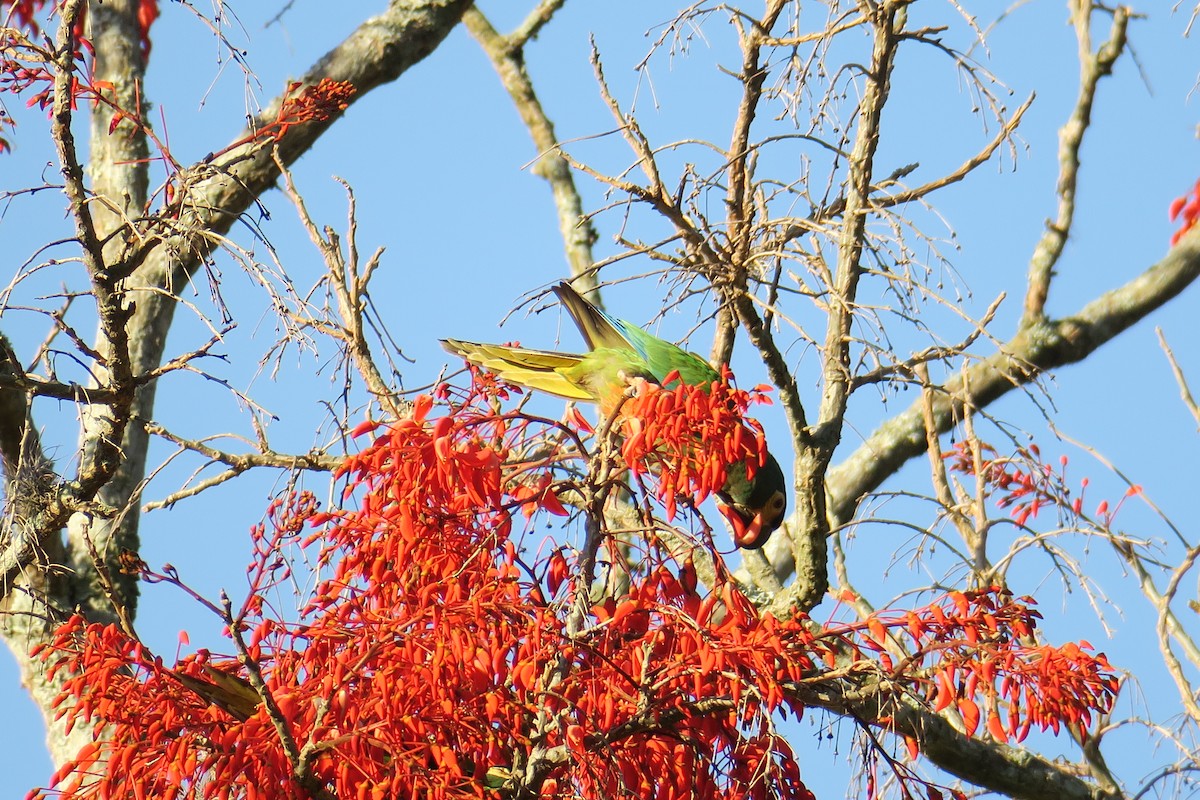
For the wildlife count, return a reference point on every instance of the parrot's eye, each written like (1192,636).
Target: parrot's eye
(778,502)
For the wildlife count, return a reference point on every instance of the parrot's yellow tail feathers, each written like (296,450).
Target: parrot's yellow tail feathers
(535,369)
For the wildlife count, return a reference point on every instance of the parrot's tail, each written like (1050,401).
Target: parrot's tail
(535,369)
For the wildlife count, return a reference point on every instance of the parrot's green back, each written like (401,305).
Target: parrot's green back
(618,353)
(656,356)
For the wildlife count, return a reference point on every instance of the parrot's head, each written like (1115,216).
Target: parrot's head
(760,512)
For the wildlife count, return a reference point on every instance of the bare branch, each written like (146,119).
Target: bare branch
(738,200)
(1184,392)
(983,156)
(909,365)
(349,281)
(193,490)
(1019,361)
(1092,68)
(537,19)
(64,143)
(888,20)
(507,56)
(244,461)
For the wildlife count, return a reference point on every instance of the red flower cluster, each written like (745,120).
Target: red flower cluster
(17,77)
(1027,485)
(430,663)
(973,647)
(302,103)
(691,436)
(433,661)
(309,103)
(162,735)
(28,66)
(671,696)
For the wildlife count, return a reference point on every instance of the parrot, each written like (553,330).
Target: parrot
(620,352)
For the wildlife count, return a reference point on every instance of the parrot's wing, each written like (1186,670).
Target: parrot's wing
(664,357)
(536,369)
(601,330)
(598,328)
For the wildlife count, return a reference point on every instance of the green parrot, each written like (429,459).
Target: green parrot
(619,352)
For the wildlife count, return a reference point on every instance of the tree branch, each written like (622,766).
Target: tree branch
(966,168)
(1031,352)
(244,461)
(1013,772)
(888,20)
(508,58)
(216,193)
(1022,359)
(1185,393)
(1092,68)
(349,281)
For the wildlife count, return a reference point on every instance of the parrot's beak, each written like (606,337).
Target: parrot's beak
(748,532)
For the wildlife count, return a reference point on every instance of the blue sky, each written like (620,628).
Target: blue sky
(439,163)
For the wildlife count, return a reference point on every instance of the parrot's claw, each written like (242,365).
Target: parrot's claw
(635,385)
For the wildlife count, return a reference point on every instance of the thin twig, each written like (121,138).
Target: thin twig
(1180,379)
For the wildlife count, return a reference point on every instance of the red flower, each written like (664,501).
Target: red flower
(1187,207)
